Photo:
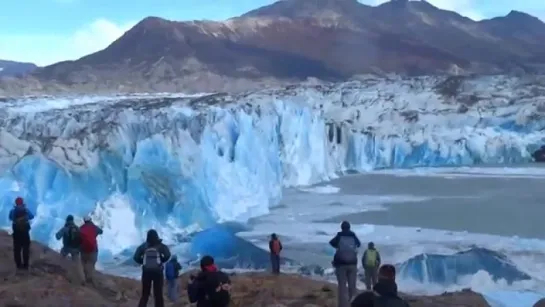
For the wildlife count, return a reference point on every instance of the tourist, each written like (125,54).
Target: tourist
(370,263)
(20,217)
(275,247)
(89,248)
(152,255)
(345,262)
(71,244)
(211,287)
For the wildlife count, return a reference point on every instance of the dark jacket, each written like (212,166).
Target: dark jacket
(203,289)
(12,215)
(63,234)
(385,294)
(152,240)
(335,244)
(271,245)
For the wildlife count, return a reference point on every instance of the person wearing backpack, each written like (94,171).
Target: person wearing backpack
(211,287)
(384,293)
(152,255)
(345,262)
(89,248)
(370,262)
(71,244)
(20,217)
(275,247)
(172,272)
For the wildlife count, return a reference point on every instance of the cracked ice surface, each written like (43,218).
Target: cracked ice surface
(177,162)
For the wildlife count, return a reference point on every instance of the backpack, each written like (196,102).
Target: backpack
(275,247)
(347,252)
(21,222)
(88,238)
(370,260)
(72,237)
(152,259)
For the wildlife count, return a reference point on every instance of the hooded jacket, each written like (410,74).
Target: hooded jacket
(152,240)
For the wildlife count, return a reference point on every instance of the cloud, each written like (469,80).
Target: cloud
(49,49)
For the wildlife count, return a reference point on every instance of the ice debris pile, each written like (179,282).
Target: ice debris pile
(180,163)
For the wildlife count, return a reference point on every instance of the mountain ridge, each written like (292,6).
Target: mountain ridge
(292,41)
(13,68)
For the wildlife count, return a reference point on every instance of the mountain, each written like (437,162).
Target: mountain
(11,68)
(293,40)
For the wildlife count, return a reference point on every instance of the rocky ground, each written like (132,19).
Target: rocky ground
(48,284)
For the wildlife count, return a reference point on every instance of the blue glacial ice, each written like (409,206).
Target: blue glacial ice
(229,250)
(182,164)
(449,269)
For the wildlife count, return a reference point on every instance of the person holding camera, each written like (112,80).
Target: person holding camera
(211,287)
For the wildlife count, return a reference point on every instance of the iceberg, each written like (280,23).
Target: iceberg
(449,269)
(184,163)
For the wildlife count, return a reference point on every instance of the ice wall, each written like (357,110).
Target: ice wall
(156,164)
(183,163)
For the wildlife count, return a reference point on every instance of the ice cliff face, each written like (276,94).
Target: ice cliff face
(180,163)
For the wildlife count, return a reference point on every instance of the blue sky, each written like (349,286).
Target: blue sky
(48,31)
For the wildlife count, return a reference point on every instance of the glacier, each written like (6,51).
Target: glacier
(184,163)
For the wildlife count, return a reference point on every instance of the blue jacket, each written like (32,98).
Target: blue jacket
(30,215)
(172,269)
(12,213)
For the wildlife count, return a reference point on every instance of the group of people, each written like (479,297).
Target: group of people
(379,279)
(210,287)
(80,242)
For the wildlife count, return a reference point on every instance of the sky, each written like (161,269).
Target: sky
(48,31)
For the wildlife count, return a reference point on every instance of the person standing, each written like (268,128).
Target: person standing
(71,246)
(152,255)
(89,248)
(172,272)
(345,262)
(370,262)
(20,217)
(275,247)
